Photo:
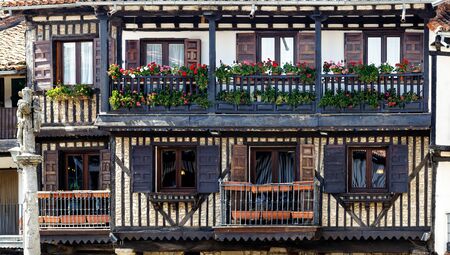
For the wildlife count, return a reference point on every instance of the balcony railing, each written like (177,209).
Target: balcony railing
(74,209)
(10,215)
(272,94)
(8,123)
(71,111)
(269,204)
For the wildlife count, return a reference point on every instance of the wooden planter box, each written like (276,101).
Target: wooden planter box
(265,107)
(302,215)
(97,218)
(245,107)
(73,219)
(50,219)
(245,215)
(276,215)
(222,106)
(197,108)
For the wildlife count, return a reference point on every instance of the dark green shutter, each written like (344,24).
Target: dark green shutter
(208,169)
(398,170)
(334,169)
(142,169)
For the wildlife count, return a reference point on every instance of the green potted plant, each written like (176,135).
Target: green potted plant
(223,73)
(368,73)
(273,67)
(290,69)
(386,68)
(307,74)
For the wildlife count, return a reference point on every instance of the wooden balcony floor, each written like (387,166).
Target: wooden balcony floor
(289,122)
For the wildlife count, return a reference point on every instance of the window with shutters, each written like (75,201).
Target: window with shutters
(75,62)
(280,48)
(367,169)
(163,52)
(81,171)
(177,168)
(383,48)
(273,165)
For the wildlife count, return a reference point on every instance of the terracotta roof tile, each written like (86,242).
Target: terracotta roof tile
(442,18)
(12,40)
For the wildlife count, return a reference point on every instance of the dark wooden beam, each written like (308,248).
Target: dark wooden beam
(318,19)
(212,18)
(433,99)
(102,16)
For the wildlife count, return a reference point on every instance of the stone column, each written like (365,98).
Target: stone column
(31,241)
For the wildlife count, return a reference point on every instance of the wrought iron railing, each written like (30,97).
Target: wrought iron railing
(269,204)
(269,94)
(74,209)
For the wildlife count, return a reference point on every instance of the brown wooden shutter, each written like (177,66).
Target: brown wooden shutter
(353,47)
(239,159)
(208,169)
(50,171)
(398,170)
(246,47)
(192,52)
(307,162)
(334,169)
(142,169)
(42,66)
(413,47)
(105,170)
(97,62)
(306,46)
(132,56)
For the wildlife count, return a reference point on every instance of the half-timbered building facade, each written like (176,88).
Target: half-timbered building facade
(204,155)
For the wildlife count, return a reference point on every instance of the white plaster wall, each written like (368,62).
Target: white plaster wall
(443,101)
(332,43)
(442,207)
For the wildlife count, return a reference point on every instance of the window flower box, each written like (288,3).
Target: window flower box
(245,215)
(302,215)
(49,219)
(97,218)
(73,219)
(276,215)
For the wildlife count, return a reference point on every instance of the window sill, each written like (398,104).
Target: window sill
(349,198)
(174,196)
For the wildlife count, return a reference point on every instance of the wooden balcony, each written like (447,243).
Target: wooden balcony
(8,123)
(275,204)
(69,112)
(59,210)
(276,94)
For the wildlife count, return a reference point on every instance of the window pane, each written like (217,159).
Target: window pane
(176,54)
(374,50)
(69,62)
(393,50)
(169,173)
(287,50)
(286,161)
(359,169)
(75,172)
(267,49)
(87,63)
(154,53)
(94,171)
(188,168)
(263,167)
(379,168)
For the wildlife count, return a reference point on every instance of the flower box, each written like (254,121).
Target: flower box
(409,107)
(284,107)
(276,215)
(50,219)
(73,219)
(245,215)
(197,108)
(245,107)
(221,106)
(302,215)
(97,218)
(179,108)
(100,195)
(304,107)
(265,107)
(158,108)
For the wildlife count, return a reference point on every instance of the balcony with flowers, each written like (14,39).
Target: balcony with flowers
(268,87)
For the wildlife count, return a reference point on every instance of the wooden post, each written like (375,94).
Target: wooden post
(102,16)
(212,18)
(318,18)
(426,65)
